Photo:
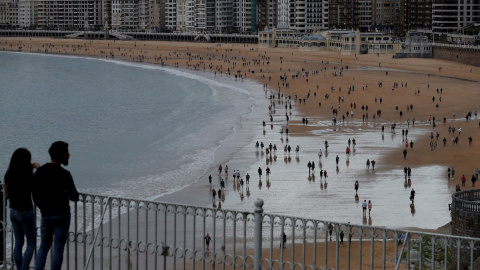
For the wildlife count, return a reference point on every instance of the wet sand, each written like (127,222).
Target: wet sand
(292,191)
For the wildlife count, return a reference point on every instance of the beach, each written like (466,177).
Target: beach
(350,83)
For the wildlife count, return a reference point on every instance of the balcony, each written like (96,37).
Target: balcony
(121,233)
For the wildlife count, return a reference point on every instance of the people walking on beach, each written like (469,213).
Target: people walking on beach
(259,172)
(53,189)
(222,184)
(474,179)
(247,179)
(369,207)
(210,179)
(412,195)
(373,164)
(18,190)
(219,192)
(364,207)
(284,240)
(356,186)
(330,230)
(368,164)
(220,169)
(226,169)
(463,179)
(337,159)
(267,171)
(309,165)
(207,241)
(320,154)
(404,153)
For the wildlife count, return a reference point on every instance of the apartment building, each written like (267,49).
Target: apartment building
(171,15)
(451,16)
(27,13)
(365,19)
(242,16)
(70,14)
(343,14)
(418,14)
(224,16)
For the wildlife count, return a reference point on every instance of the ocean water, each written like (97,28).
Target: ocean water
(134,130)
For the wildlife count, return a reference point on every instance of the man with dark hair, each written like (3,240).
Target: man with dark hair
(53,188)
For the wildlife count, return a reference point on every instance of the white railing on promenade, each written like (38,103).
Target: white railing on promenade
(120,233)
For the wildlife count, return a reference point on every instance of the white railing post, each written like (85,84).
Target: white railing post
(257,256)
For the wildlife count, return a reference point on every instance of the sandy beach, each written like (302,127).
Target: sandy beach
(380,90)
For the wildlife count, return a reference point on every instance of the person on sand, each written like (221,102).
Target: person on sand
(220,169)
(364,207)
(214,195)
(259,172)
(210,179)
(373,164)
(404,153)
(337,159)
(330,230)
(412,195)
(474,179)
(247,178)
(341,237)
(356,186)
(463,179)
(222,184)
(207,241)
(284,240)
(369,207)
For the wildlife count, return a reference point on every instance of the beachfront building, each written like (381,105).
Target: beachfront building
(308,16)
(170,15)
(283,14)
(417,45)
(200,15)
(418,15)
(4,14)
(125,15)
(242,14)
(343,14)
(27,13)
(387,15)
(451,16)
(224,16)
(345,41)
(70,15)
(365,19)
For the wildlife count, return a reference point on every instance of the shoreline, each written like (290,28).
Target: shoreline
(311,110)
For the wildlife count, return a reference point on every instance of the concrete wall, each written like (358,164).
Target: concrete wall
(469,56)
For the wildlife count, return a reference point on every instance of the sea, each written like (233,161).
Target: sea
(134,130)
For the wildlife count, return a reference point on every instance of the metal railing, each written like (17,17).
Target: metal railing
(466,201)
(120,233)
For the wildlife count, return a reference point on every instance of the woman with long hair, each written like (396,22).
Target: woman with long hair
(18,190)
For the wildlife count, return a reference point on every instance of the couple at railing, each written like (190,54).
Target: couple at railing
(51,188)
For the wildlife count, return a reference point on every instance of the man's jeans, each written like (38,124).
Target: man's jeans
(53,228)
(23,224)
